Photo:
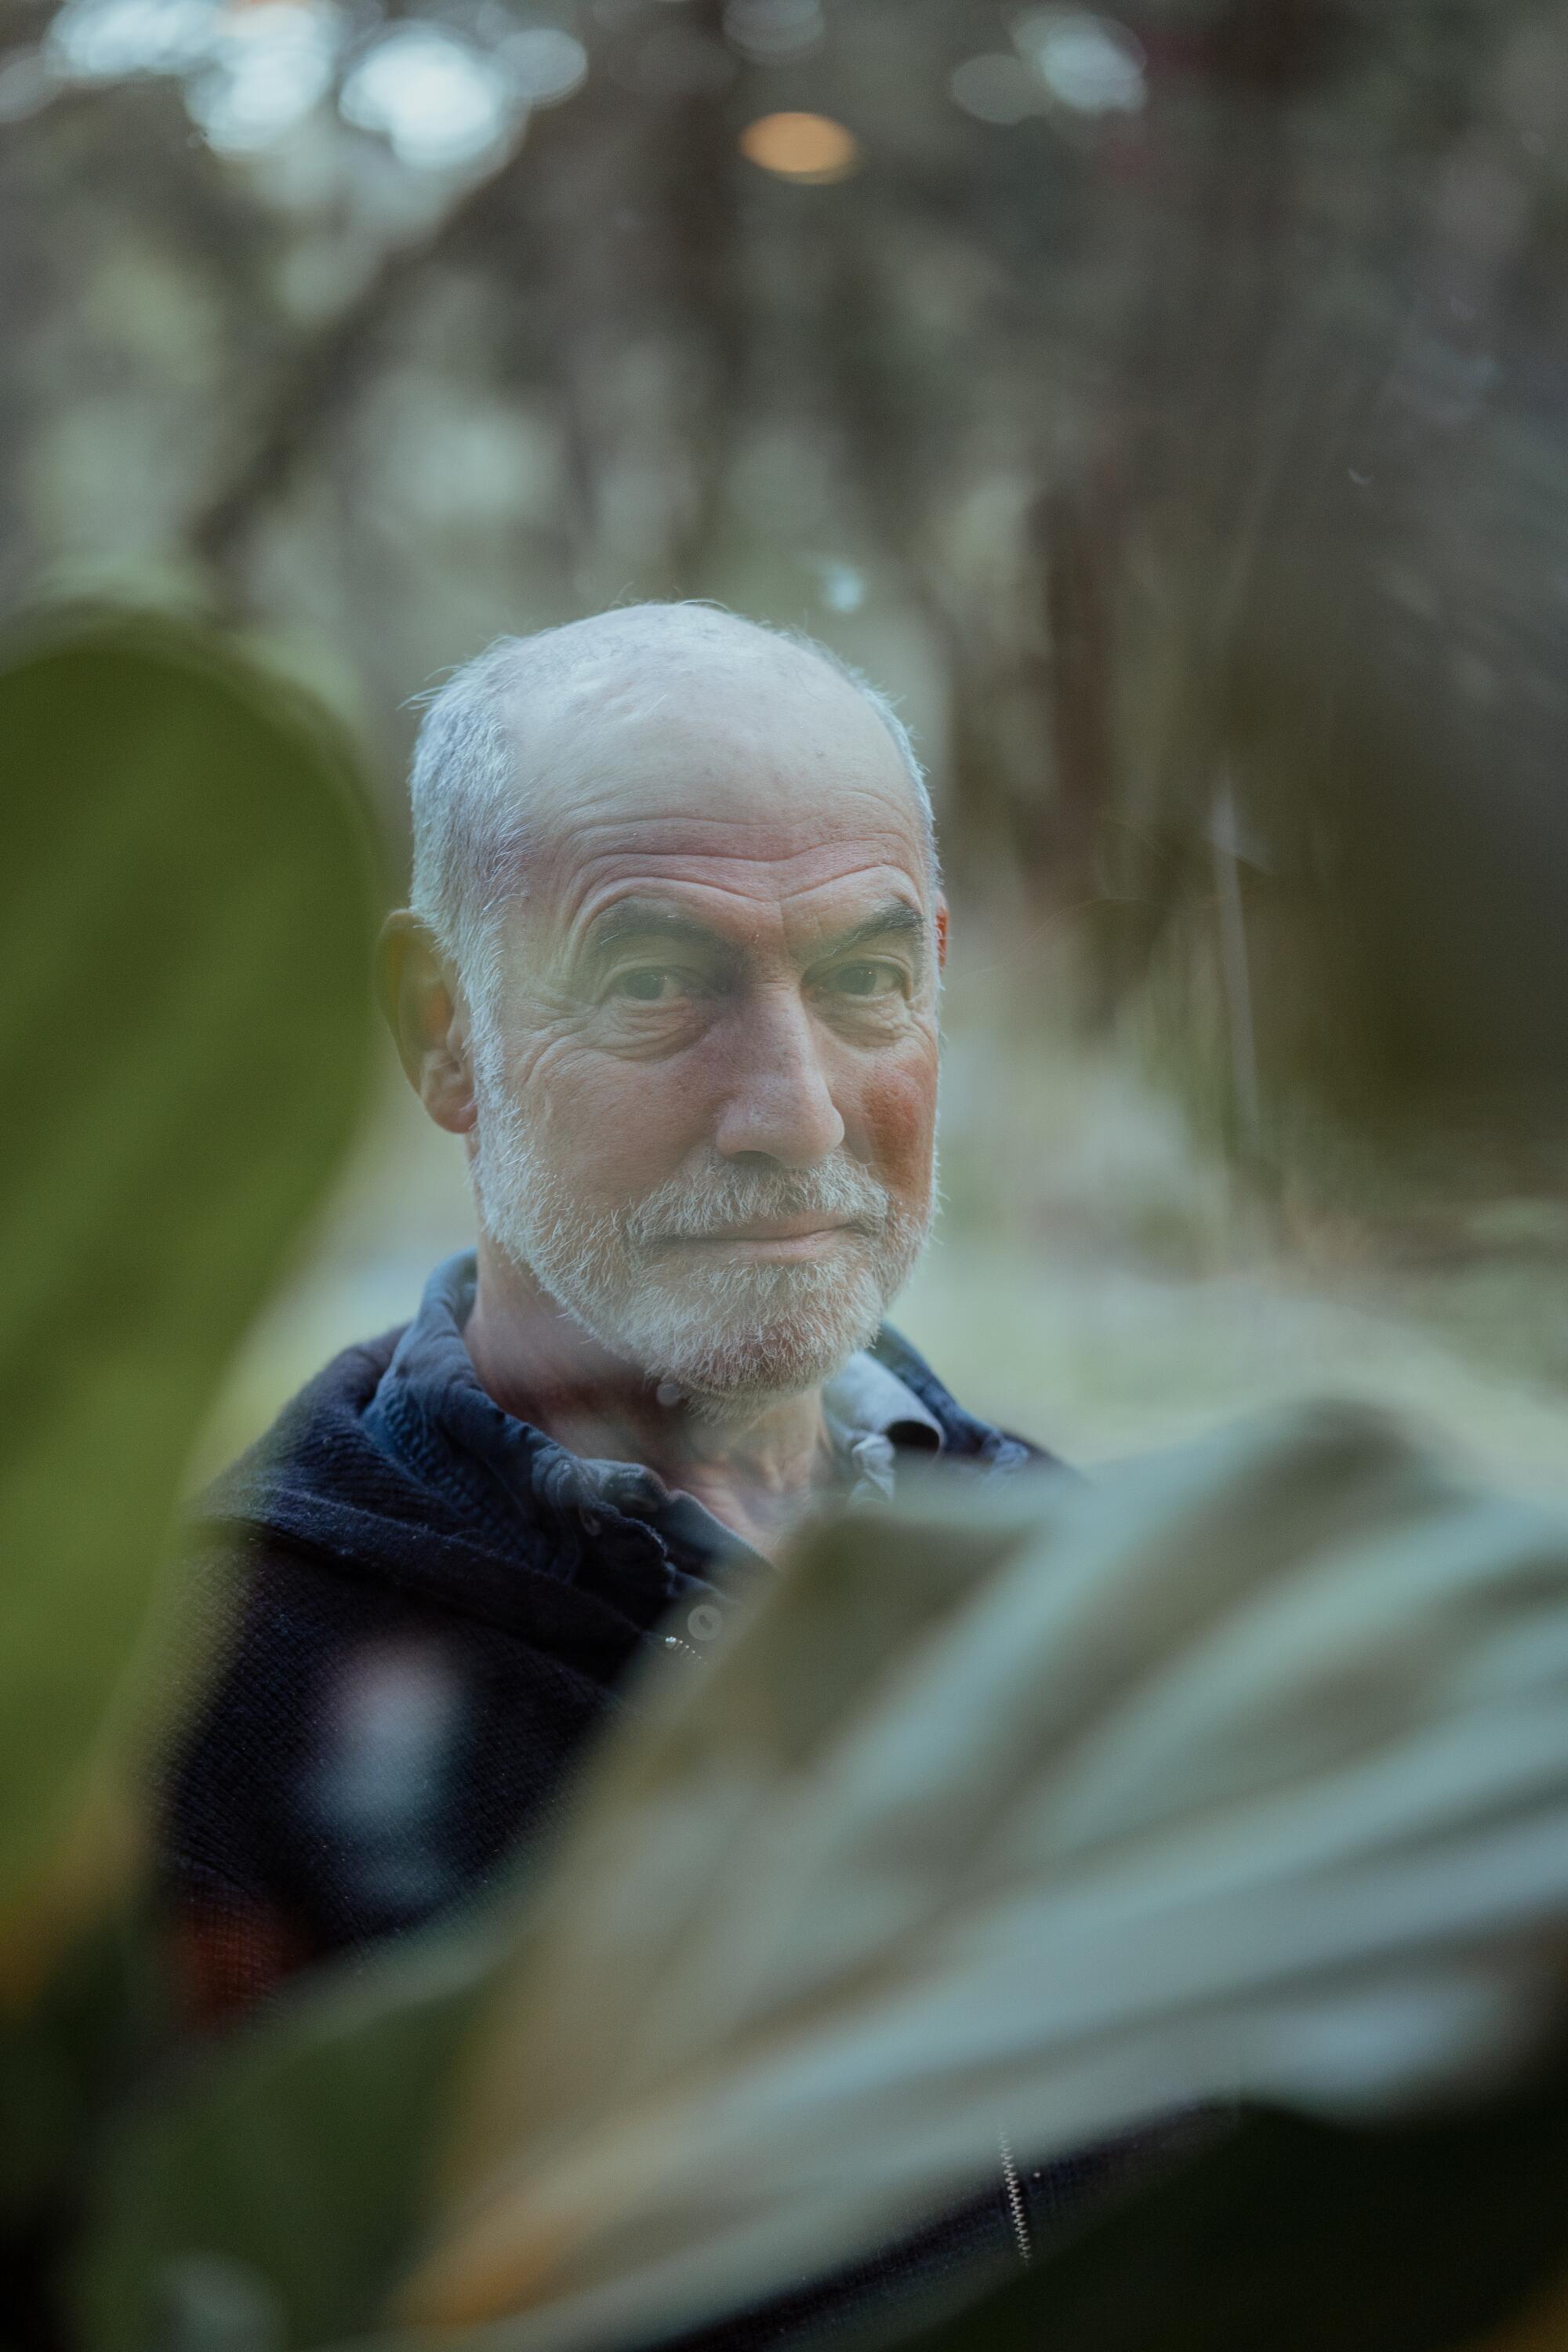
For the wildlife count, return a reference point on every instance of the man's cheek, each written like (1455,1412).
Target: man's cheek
(898,1113)
(623,1128)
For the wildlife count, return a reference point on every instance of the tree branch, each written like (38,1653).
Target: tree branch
(319,380)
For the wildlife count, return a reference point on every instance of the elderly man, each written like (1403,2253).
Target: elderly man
(670,971)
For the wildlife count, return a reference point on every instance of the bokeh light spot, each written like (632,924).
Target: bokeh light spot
(841,588)
(439,104)
(997,89)
(1088,63)
(770,32)
(546,64)
(811,148)
(102,41)
(270,64)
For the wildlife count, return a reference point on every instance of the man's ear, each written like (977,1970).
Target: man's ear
(428,1020)
(941,934)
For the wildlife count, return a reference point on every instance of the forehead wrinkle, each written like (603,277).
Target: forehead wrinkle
(687,886)
(667,849)
(574,851)
(614,854)
(753,812)
(745,920)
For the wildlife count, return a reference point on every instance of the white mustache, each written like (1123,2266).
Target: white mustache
(696,1208)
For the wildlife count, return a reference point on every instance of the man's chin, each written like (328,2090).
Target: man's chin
(739,1386)
(735,1368)
(730,1346)
(740,1371)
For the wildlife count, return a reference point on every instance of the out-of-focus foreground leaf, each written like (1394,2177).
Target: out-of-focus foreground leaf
(295,2161)
(1034,1808)
(1299,2234)
(1245,1773)
(65,2059)
(187,898)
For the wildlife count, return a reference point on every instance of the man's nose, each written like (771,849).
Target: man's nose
(779,1106)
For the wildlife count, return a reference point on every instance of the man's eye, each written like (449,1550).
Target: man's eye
(649,984)
(866,980)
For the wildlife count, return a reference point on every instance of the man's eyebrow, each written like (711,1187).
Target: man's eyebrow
(643,918)
(897,919)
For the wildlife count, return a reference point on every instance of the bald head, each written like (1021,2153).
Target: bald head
(517,738)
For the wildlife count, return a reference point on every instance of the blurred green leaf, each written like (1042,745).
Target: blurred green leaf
(295,2157)
(67,2058)
(186,901)
(1044,1807)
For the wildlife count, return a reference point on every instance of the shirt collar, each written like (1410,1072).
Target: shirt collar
(873,1416)
(867,1400)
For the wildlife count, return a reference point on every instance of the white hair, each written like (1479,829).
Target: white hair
(469,803)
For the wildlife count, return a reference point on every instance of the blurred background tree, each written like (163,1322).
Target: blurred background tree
(1162,403)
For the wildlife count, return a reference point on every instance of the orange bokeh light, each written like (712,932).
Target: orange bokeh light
(809,147)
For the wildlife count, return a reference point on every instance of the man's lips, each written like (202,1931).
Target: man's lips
(782,1237)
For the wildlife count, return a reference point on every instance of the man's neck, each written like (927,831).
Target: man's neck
(756,1469)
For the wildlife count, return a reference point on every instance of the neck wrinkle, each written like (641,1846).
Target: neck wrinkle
(755,1464)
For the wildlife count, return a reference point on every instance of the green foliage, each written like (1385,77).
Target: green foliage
(186,905)
(77,2046)
(291,2162)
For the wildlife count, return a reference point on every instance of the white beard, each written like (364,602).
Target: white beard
(721,1332)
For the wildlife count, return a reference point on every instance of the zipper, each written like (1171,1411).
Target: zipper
(674,1641)
(1012,2189)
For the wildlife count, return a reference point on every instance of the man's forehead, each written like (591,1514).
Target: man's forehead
(742,760)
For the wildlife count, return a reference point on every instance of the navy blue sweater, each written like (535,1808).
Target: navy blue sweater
(437,1603)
